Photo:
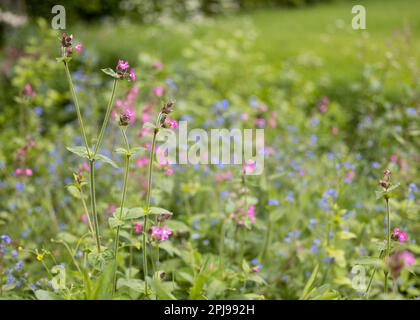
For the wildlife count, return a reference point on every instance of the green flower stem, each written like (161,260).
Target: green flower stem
(222,243)
(388,247)
(388,217)
(91,228)
(93,203)
(117,235)
(149,191)
(106,119)
(76,103)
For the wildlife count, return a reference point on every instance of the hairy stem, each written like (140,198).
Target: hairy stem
(93,203)
(91,228)
(149,191)
(106,119)
(76,103)
(388,246)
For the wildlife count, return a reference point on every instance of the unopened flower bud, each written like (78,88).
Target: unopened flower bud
(384,184)
(387,172)
(168,107)
(66,40)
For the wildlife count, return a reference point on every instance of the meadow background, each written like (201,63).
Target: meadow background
(339,106)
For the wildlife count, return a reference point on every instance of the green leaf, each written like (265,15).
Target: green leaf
(137,150)
(79,150)
(345,235)
(105,159)
(245,266)
(135,213)
(309,285)
(136,285)
(63,59)
(156,210)
(74,191)
(114,222)
(256,278)
(393,187)
(177,226)
(149,125)
(371,261)
(46,295)
(111,73)
(122,151)
(163,290)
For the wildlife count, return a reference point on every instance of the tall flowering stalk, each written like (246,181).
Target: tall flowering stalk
(122,72)
(387,188)
(160,123)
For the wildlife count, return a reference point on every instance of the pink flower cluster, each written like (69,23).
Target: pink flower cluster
(223,176)
(165,163)
(28,91)
(323,104)
(249,166)
(399,235)
(251,213)
(138,228)
(160,233)
(158,91)
(127,105)
(24,172)
(123,66)
(171,123)
(78,47)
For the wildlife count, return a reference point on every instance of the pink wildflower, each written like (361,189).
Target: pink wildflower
(28,90)
(158,65)
(251,213)
(132,74)
(122,65)
(165,232)
(138,227)
(260,122)
(78,47)
(249,166)
(160,233)
(255,269)
(400,235)
(158,91)
(141,162)
(394,158)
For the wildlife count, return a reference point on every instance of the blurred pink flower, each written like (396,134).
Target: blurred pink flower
(165,232)
(158,65)
(132,74)
(394,158)
(138,227)
(400,235)
(158,91)
(260,122)
(251,213)
(28,90)
(249,166)
(160,233)
(78,47)
(142,162)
